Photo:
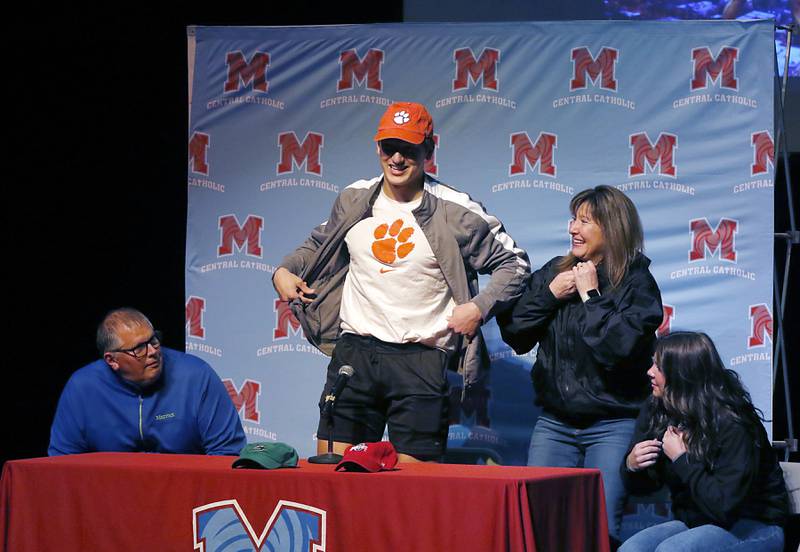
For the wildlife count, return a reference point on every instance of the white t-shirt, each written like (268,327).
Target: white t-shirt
(394,289)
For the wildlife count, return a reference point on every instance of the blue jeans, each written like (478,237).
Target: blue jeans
(746,535)
(602,445)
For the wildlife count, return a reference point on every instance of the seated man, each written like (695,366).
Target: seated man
(142,397)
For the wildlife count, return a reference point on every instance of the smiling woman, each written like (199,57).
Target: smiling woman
(605,227)
(587,236)
(593,313)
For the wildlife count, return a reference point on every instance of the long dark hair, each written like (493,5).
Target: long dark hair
(699,393)
(617,217)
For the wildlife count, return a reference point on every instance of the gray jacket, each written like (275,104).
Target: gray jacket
(464,238)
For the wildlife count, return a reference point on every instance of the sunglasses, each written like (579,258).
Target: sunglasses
(391,146)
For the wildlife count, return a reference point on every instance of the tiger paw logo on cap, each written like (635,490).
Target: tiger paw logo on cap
(406,121)
(401,117)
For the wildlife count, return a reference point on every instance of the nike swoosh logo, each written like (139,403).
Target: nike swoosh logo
(385,270)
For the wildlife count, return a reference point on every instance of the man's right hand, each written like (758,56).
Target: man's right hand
(289,286)
(563,285)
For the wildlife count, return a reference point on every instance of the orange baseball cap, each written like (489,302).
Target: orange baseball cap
(407,121)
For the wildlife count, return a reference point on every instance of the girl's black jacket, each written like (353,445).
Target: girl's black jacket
(742,478)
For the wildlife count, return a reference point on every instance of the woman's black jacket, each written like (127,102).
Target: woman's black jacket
(593,357)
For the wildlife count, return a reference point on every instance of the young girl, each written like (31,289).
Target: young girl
(701,436)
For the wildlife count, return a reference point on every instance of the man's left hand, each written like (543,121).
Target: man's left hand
(465,319)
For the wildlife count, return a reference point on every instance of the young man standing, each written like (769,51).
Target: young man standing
(390,281)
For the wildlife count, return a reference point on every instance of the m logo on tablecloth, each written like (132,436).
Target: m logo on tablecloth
(760,326)
(241,73)
(763,152)
(247,237)
(285,321)
(705,240)
(198,152)
(722,68)
(468,68)
(245,397)
(195,306)
(293,153)
(541,153)
(292,527)
(601,69)
(661,155)
(366,70)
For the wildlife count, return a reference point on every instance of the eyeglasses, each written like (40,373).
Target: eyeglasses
(389,147)
(140,349)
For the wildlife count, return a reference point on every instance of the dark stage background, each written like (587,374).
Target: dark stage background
(96,199)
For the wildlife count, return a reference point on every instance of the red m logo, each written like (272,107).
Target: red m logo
(354,69)
(194,316)
(603,66)
(706,67)
(661,155)
(666,322)
(285,321)
(249,234)
(760,326)
(292,527)
(242,73)
(198,150)
(468,69)
(722,238)
(430,164)
(306,153)
(542,153)
(763,152)
(246,396)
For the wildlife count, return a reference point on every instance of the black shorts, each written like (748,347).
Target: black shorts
(402,385)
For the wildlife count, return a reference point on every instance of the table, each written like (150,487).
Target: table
(120,502)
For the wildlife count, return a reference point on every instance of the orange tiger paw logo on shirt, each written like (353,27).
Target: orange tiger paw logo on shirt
(391,242)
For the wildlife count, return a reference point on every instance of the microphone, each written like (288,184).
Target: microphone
(345,373)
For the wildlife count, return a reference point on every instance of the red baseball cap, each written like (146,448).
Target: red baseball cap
(369,457)
(407,121)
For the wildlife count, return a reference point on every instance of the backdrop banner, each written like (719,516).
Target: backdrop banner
(678,115)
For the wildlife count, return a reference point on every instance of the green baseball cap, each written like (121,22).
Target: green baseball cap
(266,455)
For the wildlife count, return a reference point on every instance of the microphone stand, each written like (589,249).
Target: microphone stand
(329,457)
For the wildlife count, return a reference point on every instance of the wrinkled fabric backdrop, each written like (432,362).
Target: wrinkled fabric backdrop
(679,115)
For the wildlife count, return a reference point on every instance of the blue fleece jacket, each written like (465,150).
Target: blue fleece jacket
(187,411)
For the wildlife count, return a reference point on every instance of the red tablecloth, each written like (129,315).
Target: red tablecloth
(152,502)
